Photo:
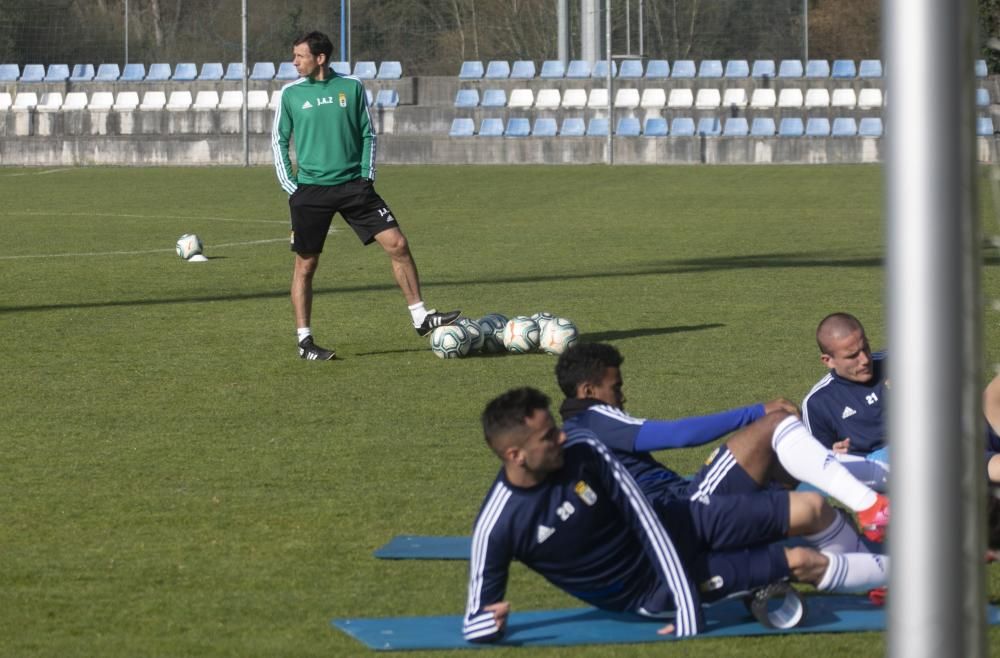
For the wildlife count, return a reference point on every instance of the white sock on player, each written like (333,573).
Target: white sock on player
(871,473)
(302,333)
(854,572)
(418,313)
(839,537)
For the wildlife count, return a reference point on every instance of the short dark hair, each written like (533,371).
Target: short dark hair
(318,43)
(509,411)
(836,324)
(585,363)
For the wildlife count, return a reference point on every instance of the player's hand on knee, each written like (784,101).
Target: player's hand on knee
(781,404)
(500,612)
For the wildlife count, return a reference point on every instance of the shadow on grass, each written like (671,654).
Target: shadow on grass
(624,334)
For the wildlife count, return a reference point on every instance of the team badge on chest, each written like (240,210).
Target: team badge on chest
(585,493)
(342,98)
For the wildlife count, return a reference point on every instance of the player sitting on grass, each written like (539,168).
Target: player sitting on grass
(567,509)
(772,446)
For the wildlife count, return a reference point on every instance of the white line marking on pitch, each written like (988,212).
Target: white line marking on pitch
(36,173)
(139,253)
(36,213)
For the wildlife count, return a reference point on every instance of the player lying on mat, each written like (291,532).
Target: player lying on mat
(566,508)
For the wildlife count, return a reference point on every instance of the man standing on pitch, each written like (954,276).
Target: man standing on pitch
(335,154)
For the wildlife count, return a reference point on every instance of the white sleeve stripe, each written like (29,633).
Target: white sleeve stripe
(715,475)
(480,539)
(617,414)
(284,180)
(823,383)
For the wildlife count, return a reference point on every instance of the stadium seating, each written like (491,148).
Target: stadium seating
(234,71)
(980,68)
(159,72)
(497,69)
(389,70)
(630,68)
(982,97)
(870,68)
(790,68)
(494,98)
(680,98)
(107,72)
(82,73)
(844,127)
(627,99)
(6,100)
(521,99)
(737,68)
(100,101)
(763,68)
(274,100)
(77,100)
(232,99)
(262,71)
(657,69)
(185,72)
(817,127)
(791,127)
(574,99)
(545,127)
(601,69)
(817,68)
(9,72)
(843,69)
(844,97)
(50,102)
(286,71)
(628,127)
(517,127)
(762,99)
(491,127)
(578,68)
(736,127)
(734,98)
(682,127)
(204,100)
(210,71)
(548,99)
(790,97)
(471,70)
(257,99)
(707,99)
(522,69)
(552,68)
(869,97)
(870,127)
(572,127)
(598,98)
(365,70)
(369,98)
(762,127)
(179,100)
(467,98)
(341,68)
(135,72)
(462,127)
(817,97)
(126,101)
(57,73)
(653,98)
(709,126)
(153,100)
(24,101)
(984,126)
(598,127)
(683,68)
(710,68)
(387,98)
(32,73)
(655,127)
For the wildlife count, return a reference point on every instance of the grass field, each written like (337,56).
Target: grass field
(175,481)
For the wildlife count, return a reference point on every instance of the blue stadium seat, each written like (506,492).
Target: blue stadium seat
(234,71)
(286,71)
(870,68)
(762,127)
(791,127)
(655,127)
(107,73)
(462,127)
(83,73)
(572,127)
(790,68)
(552,68)
(598,127)
(160,72)
(737,68)
(497,69)
(9,72)
(736,127)
(209,71)
(981,70)
(818,127)
(518,127)
(389,69)
(630,68)
(544,127)
(870,127)
(341,67)
(387,98)
(844,127)
(817,68)
(982,97)
(763,68)
(185,72)
(134,72)
(491,127)
(471,70)
(843,69)
(627,127)
(57,73)
(467,98)
(709,126)
(365,70)
(32,73)
(494,98)
(262,71)
(578,68)
(710,68)
(657,69)
(522,69)
(601,69)
(683,68)
(984,126)
(682,127)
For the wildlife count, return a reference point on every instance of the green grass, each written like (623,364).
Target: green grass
(176,482)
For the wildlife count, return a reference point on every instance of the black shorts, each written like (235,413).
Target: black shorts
(312,209)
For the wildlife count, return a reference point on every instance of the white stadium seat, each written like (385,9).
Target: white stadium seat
(153,100)
(574,98)
(50,102)
(126,101)
(548,99)
(790,97)
(231,100)
(843,98)
(206,100)
(763,98)
(179,100)
(627,99)
(653,98)
(869,97)
(275,99)
(817,97)
(707,99)
(257,99)
(597,98)
(735,97)
(521,98)
(75,100)
(680,97)
(101,101)
(6,100)
(24,101)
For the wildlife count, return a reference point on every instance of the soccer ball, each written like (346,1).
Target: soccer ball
(558,335)
(475,333)
(520,335)
(541,319)
(492,326)
(189,245)
(450,342)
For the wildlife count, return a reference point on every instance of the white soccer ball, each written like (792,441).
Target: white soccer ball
(492,326)
(541,319)
(450,342)
(558,335)
(475,333)
(520,335)
(189,245)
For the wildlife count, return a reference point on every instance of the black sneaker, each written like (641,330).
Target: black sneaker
(435,320)
(313,352)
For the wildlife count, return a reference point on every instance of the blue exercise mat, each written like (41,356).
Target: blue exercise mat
(825,614)
(422,547)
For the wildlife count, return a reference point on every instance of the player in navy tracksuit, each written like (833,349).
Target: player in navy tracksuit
(574,515)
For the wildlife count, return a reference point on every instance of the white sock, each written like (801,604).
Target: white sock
(302,333)
(808,461)
(871,473)
(418,313)
(854,572)
(838,537)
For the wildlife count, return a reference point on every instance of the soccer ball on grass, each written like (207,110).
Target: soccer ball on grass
(520,335)
(189,245)
(450,342)
(492,326)
(558,335)
(475,333)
